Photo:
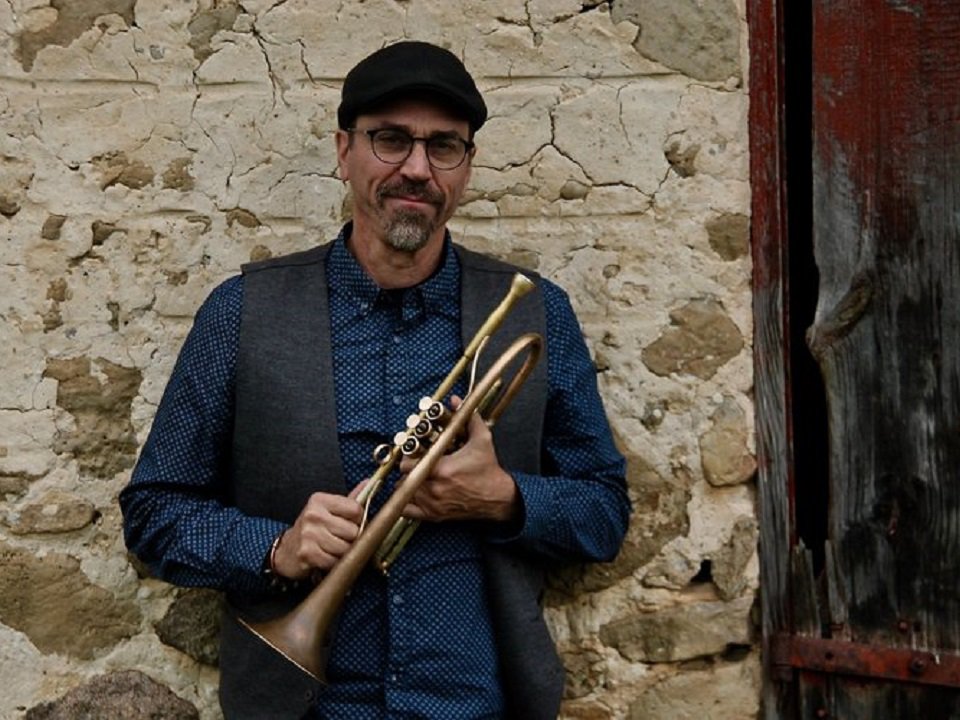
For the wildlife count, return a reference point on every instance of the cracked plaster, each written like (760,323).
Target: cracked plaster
(599,168)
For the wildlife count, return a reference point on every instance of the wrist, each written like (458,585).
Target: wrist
(270,568)
(509,505)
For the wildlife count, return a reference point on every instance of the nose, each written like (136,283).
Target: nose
(417,164)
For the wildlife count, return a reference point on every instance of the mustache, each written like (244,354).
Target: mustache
(406,188)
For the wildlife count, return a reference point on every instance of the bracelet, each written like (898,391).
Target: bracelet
(277,581)
(273,552)
(270,566)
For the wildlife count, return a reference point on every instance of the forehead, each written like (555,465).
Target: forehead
(417,114)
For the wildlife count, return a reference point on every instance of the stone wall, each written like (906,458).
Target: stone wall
(151,146)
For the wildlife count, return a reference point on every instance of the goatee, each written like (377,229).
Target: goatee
(409,230)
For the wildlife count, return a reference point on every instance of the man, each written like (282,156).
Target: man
(293,373)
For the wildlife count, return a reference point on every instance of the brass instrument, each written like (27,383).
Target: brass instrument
(300,635)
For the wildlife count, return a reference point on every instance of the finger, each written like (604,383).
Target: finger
(340,528)
(477,427)
(333,545)
(358,489)
(324,505)
(414,512)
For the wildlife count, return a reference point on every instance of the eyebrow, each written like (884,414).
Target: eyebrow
(387,125)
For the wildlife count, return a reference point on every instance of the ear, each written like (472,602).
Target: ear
(344,146)
(470,158)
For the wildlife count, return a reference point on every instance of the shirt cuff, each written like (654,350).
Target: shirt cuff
(536,515)
(260,537)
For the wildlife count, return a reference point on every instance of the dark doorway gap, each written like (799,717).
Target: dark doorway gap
(808,409)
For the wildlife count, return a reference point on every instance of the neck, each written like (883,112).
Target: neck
(390,268)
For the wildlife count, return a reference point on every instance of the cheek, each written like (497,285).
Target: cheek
(454,192)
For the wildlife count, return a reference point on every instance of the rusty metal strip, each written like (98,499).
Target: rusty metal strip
(869,661)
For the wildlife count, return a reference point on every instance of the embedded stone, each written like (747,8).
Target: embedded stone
(116,169)
(54,512)
(587,710)
(207,23)
(585,668)
(177,175)
(51,601)
(101,230)
(99,395)
(724,455)
(57,290)
(260,252)
(574,190)
(718,691)
(682,159)
(192,625)
(14,484)
(730,563)
(8,206)
(729,235)
(72,20)
(126,695)
(681,633)
(700,38)
(703,338)
(52,226)
(242,217)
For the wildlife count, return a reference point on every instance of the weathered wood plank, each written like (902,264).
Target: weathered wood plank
(887,330)
(768,243)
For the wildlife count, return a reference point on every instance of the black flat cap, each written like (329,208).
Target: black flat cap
(407,68)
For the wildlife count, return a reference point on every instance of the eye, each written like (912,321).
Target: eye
(446,146)
(392,140)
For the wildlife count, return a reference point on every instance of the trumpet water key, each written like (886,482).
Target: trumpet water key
(301,635)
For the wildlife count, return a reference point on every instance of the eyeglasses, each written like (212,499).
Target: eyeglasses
(393,146)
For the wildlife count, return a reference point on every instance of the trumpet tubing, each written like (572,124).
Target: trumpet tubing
(301,635)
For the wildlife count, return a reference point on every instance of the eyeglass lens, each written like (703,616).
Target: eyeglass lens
(444,152)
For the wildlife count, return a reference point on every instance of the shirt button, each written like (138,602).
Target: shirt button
(397,599)
(396,340)
(397,400)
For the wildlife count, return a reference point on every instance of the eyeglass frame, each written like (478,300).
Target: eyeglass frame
(371,133)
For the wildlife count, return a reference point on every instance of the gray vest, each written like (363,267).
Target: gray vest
(285,447)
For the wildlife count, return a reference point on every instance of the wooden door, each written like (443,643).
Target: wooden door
(872,630)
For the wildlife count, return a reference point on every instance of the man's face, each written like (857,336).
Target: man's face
(405,205)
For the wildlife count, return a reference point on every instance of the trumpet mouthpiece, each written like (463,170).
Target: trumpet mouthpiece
(521,284)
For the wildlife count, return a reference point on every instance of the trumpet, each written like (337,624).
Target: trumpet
(302,635)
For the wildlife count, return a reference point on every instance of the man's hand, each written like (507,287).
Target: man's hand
(324,531)
(468,484)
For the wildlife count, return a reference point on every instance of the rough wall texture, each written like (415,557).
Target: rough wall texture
(149,147)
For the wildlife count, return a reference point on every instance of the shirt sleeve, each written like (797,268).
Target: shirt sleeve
(176,518)
(578,508)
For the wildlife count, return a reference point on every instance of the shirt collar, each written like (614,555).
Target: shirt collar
(439,293)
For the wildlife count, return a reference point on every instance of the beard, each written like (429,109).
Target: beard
(409,230)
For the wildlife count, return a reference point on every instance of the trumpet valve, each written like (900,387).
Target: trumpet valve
(436,411)
(408,444)
(424,428)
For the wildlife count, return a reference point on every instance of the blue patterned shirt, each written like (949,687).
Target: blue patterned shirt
(417,643)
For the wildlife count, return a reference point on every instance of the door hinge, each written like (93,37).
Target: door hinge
(870,661)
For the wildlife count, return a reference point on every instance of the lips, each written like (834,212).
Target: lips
(409,193)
